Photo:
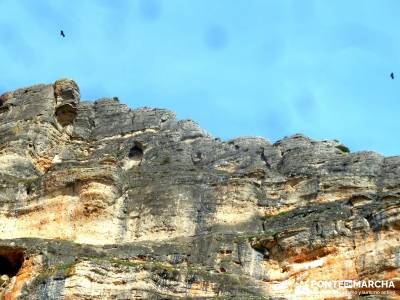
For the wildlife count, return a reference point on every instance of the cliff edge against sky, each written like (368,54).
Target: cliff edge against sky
(100,201)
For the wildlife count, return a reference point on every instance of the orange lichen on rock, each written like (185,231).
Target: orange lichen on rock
(30,268)
(43,163)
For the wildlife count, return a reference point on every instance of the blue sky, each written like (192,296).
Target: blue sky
(237,67)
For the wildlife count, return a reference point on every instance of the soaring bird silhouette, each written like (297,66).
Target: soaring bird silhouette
(392,75)
(62,34)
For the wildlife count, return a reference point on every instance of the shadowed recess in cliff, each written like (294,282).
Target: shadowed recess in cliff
(10,261)
(136,151)
(65,114)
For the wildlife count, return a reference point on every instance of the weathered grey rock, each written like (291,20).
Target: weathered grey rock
(100,201)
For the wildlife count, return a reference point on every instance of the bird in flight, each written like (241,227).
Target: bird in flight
(62,33)
(392,75)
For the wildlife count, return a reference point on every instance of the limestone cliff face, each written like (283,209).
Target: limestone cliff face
(100,201)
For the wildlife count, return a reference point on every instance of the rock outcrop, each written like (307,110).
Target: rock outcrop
(100,201)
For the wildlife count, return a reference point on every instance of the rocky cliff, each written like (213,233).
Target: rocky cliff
(100,201)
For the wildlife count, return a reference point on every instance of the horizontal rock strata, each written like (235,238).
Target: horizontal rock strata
(100,201)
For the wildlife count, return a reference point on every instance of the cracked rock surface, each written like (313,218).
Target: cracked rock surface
(101,201)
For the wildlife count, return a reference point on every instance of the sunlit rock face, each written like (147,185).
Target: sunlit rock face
(100,201)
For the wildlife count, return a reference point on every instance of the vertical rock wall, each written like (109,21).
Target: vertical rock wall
(100,201)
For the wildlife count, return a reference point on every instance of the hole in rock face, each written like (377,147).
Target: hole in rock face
(29,190)
(3,109)
(67,93)
(65,114)
(136,152)
(10,261)
(197,157)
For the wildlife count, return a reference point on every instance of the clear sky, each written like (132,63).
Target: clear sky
(237,67)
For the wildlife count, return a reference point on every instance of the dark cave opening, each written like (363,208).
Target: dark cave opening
(10,261)
(136,152)
(65,114)
(67,93)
